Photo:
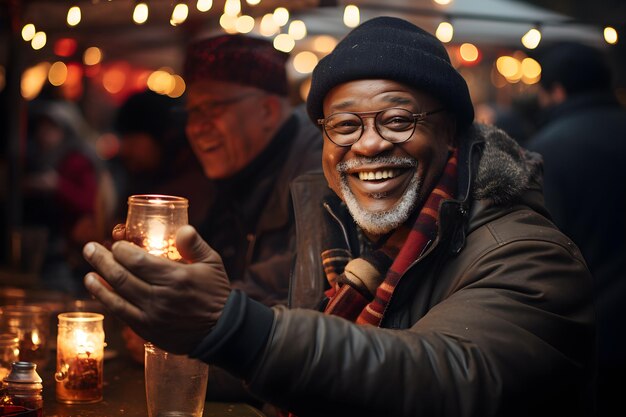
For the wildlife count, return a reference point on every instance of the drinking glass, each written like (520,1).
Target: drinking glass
(153,220)
(175,384)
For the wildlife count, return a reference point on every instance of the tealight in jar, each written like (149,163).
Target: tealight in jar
(31,324)
(153,220)
(9,352)
(80,357)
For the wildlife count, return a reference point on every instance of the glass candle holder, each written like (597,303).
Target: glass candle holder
(80,353)
(9,352)
(153,220)
(31,324)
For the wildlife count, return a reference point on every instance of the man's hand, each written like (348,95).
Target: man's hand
(174,305)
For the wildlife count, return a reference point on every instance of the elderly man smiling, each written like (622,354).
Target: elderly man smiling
(449,291)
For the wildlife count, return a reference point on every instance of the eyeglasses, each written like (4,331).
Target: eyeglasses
(214,109)
(395,125)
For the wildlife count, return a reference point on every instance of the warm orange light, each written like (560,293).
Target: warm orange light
(114,80)
(469,53)
(283,42)
(92,55)
(73,86)
(304,62)
(65,47)
(57,74)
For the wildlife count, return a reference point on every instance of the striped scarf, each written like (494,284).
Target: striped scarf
(362,287)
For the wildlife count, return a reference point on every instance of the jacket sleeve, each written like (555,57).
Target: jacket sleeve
(512,335)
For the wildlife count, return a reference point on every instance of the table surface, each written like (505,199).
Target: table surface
(124,395)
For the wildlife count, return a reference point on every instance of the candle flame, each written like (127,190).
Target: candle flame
(156,242)
(82,343)
(34,337)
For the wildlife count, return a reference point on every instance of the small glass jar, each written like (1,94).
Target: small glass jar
(31,324)
(80,354)
(153,220)
(22,391)
(9,352)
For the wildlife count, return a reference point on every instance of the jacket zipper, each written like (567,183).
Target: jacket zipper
(343,229)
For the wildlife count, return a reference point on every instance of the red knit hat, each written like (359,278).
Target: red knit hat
(239,59)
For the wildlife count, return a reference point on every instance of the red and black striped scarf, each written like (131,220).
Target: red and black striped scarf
(401,249)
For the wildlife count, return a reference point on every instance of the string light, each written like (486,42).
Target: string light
(283,42)
(204,5)
(610,35)
(28,32)
(268,26)
(531,38)
(324,44)
(469,52)
(39,40)
(232,7)
(244,24)
(140,13)
(351,16)
(531,71)
(281,16)
(228,22)
(179,14)
(297,29)
(304,62)
(444,32)
(73,16)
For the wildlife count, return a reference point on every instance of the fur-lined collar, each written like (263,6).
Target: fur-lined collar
(505,170)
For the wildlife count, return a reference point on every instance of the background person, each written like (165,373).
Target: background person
(67,191)
(155,156)
(450,292)
(582,140)
(251,143)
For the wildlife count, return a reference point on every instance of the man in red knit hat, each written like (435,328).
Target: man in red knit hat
(251,143)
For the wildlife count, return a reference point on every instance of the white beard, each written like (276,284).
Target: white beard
(380,222)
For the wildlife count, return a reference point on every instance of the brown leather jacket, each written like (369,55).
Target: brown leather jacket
(494,319)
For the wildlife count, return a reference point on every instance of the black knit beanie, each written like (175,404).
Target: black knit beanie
(393,49)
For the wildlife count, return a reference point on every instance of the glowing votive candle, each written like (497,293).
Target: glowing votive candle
(153,220)
(80,353)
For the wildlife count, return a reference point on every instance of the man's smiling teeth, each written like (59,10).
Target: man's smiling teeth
(377,175)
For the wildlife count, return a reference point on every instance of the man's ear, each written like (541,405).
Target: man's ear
(272,108)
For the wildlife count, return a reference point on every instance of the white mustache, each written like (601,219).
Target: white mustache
(397,161)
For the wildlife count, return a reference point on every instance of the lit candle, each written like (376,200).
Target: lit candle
(152,222)
(80,352)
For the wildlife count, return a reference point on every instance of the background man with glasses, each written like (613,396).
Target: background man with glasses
(251,143)
(448,290)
